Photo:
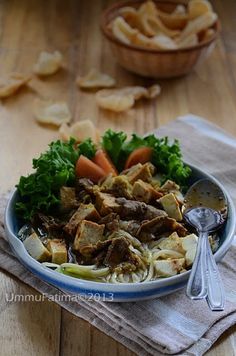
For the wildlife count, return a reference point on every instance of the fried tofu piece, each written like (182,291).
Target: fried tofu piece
(58,250)
(118,186)
(68,198)
(171,206)
(84,212)
(121,187)
(169,267)
(141,171)
(189,244)
(106,203)
(36,248)
(87,236)
(173,242)
(171,187)
(145,192)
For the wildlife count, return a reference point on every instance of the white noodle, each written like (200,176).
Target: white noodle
(166,254)
(150,273)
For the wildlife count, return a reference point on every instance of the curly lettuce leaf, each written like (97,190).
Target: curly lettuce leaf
(54,168)
(113,142)
(167,157)
(87,148)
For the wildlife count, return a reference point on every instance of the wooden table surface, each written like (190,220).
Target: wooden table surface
(30,26)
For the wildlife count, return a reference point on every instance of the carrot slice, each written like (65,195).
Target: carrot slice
(102,160)
(88,169)
(140,155)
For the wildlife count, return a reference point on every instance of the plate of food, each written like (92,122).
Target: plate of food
(105,220)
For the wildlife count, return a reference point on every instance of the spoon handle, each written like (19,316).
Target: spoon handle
(216,296)
(197,283)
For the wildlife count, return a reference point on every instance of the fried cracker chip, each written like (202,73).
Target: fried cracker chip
(80,130)
(179,10)
(199,24)
(64,132)
(9,85)
(131,18)
(151,23)
(189,41)
(130,15)
(197,8)
(119,100)
(49,112)
(208,34)
(154,91)
(95,79)
(114,101)
(153,26)
(175,20)
(48,63)
(159,41)
(162,41)
(148,8)
(123,31)
(143,41)
(127,10)
(150,27)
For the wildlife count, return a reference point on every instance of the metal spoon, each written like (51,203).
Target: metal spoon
(205,208)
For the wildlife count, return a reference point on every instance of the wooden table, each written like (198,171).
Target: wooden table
(28,27)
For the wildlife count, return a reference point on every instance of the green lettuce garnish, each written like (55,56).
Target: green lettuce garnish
(54,168)
(40,191)
(166,156)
